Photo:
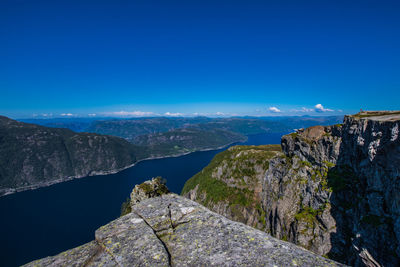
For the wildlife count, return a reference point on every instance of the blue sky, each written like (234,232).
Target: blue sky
(138,58)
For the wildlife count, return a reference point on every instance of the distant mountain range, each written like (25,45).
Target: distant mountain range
(132,127)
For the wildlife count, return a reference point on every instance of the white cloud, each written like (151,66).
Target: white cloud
(173,114)
(214,114)
(92,114)
(136,113)
(67,114)
(274,109)
(319,108)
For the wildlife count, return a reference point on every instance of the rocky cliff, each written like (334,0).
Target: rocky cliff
(32,156)
(169,230)
(334,190)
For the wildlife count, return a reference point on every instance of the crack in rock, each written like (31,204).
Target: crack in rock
(156,234)
(89,261)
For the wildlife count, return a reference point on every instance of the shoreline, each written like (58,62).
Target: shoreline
(10,191)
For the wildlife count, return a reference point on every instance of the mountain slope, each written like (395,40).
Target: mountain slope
(186,140)
(334,190)
(32,156)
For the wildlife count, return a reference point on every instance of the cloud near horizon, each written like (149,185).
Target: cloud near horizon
(319,108)
(136,113)
(171,114)
(266,111)
(274,109)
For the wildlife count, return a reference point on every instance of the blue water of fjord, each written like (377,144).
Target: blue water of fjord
(46,221)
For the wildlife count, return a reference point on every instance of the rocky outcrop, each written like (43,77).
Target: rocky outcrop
(317,144)
(149,189)
(170,230)
(32,156)
(334,190)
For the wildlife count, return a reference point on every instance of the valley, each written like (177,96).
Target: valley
(37,155)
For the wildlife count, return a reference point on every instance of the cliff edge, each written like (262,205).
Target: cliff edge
(169,230)
(333,190)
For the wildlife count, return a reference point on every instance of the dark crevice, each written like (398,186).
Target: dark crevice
(98,251)
(104,248)
(156,234)
(180,223)
(170,217)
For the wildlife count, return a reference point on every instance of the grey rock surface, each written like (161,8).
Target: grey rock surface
(174,231)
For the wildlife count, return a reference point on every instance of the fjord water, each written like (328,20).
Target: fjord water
(46,221)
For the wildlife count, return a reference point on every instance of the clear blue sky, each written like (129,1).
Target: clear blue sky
(198,57)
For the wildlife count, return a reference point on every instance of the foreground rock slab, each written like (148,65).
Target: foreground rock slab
(174,231)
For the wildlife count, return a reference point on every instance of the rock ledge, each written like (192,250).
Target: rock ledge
(174,231)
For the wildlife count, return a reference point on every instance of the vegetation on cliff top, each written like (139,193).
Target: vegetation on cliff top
(217,190)
(366,114)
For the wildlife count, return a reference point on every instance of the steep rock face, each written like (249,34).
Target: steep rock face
(296,191)
(174,231)
(371,224)
(335,190)
(32,156)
